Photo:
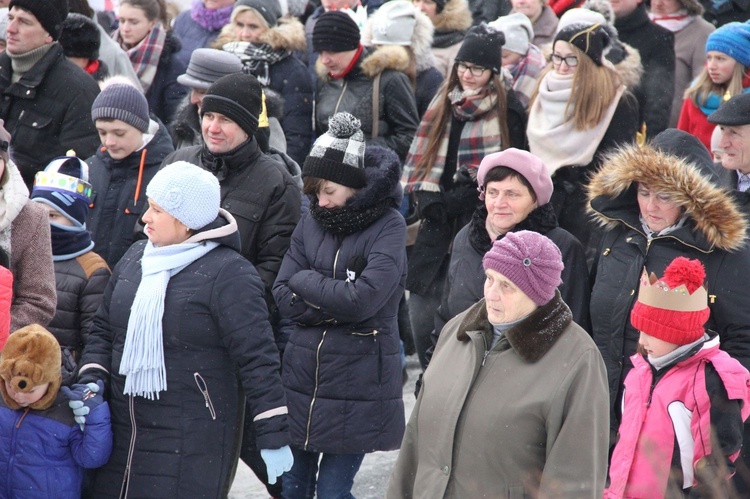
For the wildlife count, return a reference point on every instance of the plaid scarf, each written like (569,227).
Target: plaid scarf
(257,58)
(526,74)
(479,137)
(145,56)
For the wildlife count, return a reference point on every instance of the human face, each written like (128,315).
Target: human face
(57,217)
(333,195)
(504,301)
(336,62)
(465,72)
(217,4)
(654,346)
(24,32)
(508,203)
(162,228)
(248,27)
(510,58)
(735,146)
(120,139)
(657,209)
(337,4)
(719,66)
(428,7)
(665,7)
(564,50)
(25,399)
(220,133)
(624,7)
(529,8)
(196,96)
(134,25)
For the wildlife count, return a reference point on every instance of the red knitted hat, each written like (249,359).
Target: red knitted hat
(675,307)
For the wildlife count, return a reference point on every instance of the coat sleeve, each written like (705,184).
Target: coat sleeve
(298,108)
(401,485)
(657,84)
(400,113)
(91,298)
(683,123)
(92,446)
(77,131)
(6,298)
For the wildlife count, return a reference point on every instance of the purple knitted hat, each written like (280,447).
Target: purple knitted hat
(530,261)
(526,164)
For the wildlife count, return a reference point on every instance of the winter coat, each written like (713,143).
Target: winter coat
(656,47)
(47,111)
(713,232)
(119,199)
(690,59)
(545,27)
(731,11)
(6,300)
(44,453)
(680,425)
(342,364)
(185,127)
(477,431)
(218,345)
(398,118)
(450,27)
(116,59)
(165,94)
(192,35)
(80,286)
(465,284)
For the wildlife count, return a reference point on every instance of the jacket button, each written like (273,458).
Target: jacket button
(28,92)
(446,470)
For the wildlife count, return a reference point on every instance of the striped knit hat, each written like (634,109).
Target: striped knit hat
(339,154)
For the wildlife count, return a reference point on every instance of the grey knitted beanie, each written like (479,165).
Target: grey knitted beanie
(122,102)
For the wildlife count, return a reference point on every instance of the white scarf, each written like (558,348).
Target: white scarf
(143,354)
(553,136)
(673,22)
(13,197)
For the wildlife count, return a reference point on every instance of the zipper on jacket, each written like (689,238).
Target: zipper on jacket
(486,350)
(131,449)
(336,261)
(374,332)
(315,391)
(341,96)
(204,390)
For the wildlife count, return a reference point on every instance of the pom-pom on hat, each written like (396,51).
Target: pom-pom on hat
(237,96)
(187,192)
(674,308)
(339,154)
(526,164)
(518,32)
(335,31)
(483,46)
(80,37)
(49,13)
(120,101)
(530,260)
(393,23)
(64,185)
(31,357)
(732,39)
(591,39)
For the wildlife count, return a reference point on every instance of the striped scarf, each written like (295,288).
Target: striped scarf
(479,137)
(145,56)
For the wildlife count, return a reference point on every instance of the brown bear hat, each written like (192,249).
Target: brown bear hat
(31,357)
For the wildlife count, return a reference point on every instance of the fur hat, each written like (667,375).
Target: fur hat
(30,358)
(732,39)
(64,186)
(80,37)
(49,13)
(518,32)
(674,308)
(237,96)
(339,154)
(526,164)
(187,192)
(483,46)
(591,39)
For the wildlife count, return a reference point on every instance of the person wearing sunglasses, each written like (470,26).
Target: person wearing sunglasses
(581,110)
(473,115)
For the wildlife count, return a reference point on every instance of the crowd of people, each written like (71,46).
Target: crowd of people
(225,225)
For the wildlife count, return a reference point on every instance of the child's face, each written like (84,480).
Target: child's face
(25,399)
(56,216)
(120,139)
(656,347)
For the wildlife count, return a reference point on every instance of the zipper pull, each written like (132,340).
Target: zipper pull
(484,357)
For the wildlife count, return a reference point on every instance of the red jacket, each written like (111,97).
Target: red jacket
(695,122)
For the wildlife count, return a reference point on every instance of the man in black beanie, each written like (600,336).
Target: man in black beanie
(46,98)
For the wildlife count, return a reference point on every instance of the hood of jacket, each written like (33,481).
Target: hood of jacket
(421,39)
(172,45)
(289,34)
(455,16)
(222,230)
(372,61)
(613,197)
(383,170)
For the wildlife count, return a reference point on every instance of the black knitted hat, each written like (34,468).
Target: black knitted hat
(335,31)
(339,154)
(269,9)
(237,96)
(483,46)
(120,101)
(591,39)
(49,13)
(80,37)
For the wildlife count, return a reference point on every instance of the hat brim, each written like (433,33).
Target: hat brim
(189,81)
(729,116)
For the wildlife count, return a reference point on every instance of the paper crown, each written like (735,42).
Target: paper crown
(656,293)
(52,178)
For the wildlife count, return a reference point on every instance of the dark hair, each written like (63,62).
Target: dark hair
(500,173)
(153,9)
(80,7)
(312,185)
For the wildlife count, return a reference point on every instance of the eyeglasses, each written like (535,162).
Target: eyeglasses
(475,70)
(571,60)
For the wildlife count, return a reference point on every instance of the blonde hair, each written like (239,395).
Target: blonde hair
(228,34)
(703,86)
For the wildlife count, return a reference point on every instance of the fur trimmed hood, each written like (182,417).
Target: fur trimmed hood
(289,34)
(383,170)
(373,61)
(455,16)
(714,213)
(421,39)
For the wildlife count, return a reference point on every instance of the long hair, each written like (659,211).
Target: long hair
(153,9)
(704,86)
(594,89)
(441,107)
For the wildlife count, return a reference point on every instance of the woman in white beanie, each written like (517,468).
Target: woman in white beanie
(181,334)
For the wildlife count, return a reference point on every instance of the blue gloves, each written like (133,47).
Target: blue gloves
(277,462)
(84,398)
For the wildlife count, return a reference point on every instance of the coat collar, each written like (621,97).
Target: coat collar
(531,338)
(27,85)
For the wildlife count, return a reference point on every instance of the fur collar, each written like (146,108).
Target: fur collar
(289,34)
(383,170)
(372,62)
(712,210)
(421,40)
(532,337)
(455,16)
(542,219)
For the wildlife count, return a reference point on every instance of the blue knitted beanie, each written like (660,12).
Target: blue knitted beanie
(732,39)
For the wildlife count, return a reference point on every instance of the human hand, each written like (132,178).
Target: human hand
(277,462)
(84,398)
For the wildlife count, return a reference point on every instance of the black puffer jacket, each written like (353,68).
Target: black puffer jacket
(217,345)
(114,213)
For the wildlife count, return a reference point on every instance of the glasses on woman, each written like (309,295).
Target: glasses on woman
(475,70)
(571,60)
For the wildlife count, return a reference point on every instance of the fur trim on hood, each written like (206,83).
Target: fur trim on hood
(373,61)
(712,209)
(421,39)
(289,34)
(383,170)
(455,16)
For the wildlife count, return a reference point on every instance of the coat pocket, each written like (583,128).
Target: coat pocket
(204,391)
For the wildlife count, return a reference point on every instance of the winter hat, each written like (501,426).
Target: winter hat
(187,192)
(526,164)
(64,186)
(31,357)
(335,31)
(237,96)
(675,307)
(734,112)
(208,65)
(583,16)
(80,37)
(591,39)
(688,147)
(393,23)
(603,7)
(49,13)
(339,154)
(530,260)
(518,32)
(269,9)
(732,39)
(123,102)
(483,46)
